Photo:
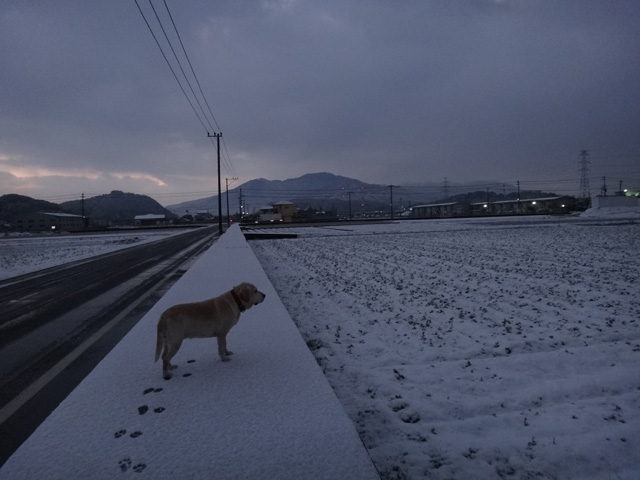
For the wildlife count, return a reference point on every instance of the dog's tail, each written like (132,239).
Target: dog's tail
(160,340)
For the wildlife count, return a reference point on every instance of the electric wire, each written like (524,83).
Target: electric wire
(191,66)
(225,157)
(170,66)
(175,55)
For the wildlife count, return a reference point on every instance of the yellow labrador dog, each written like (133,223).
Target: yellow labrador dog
(210,318)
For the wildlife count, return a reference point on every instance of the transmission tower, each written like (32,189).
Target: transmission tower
(584,174)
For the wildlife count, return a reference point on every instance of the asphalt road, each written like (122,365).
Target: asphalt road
(57,324)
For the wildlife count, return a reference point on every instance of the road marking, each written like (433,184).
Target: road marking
(32,390)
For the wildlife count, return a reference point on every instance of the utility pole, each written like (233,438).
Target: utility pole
(350,215)
(217,137)
(584,174)
(84,220)
(391,200)
(604,186)
(240,202)
(446,188)
(227,193)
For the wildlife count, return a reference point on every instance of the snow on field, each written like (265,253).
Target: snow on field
(612,212)
(489,348)
(20,255)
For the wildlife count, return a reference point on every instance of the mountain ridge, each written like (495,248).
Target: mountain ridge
(309,190)
(116,206)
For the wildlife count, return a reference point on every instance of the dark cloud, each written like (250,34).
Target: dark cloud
(382,91)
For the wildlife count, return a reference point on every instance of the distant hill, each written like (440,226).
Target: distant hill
(316,190)
(117,207)
(325,191)
(14,206)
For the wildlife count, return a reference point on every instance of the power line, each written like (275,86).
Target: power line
(191,66)
(202,117)
(169,63)
(175,55)
(226,159)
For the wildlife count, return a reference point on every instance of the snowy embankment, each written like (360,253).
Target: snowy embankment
(612,212)
(26,254)
(488,348)
(269,413)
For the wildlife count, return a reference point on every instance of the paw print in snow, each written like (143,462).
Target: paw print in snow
(410,417)
(120,433)
(152,390)
(124,464)
(139,468)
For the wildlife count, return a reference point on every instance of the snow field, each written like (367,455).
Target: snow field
(485,348)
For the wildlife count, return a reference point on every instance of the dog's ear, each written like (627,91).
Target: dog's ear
(245,294)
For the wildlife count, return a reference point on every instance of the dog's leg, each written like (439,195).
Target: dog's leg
(168,353)
(222,348)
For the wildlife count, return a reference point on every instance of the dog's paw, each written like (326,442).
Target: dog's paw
(225,359)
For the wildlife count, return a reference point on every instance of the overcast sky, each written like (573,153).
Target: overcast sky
(385,91)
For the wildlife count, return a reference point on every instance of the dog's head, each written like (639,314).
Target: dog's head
(248,294)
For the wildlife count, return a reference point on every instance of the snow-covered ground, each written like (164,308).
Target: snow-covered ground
(26,254)
(267,414)
(480,348)
(612,212)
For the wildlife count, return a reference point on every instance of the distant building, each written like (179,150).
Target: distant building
(50,222)
(560,204)
(278,212)
(440,210)
(149,219)
(204,216)
(286,209)
(614,201)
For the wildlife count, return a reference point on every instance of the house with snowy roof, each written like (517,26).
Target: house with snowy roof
(50,222)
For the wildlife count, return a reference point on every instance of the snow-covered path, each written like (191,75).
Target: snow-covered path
(488,348)
(267,414)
